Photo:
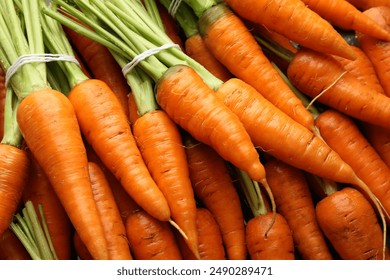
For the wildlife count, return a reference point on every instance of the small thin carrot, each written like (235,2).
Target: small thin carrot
(210,238)
(40,191)
(327,81)
(344,136)
(376,50)
(11,248)
(113,225)
(296,21)
(294,201)
(350,224)
(344,15)
(231,42)
(214,187)
(151,239)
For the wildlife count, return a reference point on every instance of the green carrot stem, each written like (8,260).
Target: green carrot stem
(152,9)
(200,6)
(12,135)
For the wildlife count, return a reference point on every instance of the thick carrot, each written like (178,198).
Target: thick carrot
(194,106)
(367,4)
(160,144)
(376,50)
(214,187)
(151,239)
(350,224)
(14,169)
(40,191)
(344,15)
(293,19)
(276,245)
(210,238)
(11,248)
(64,163)
(106,128)
(294,201)
(326,80)
(344,136)
(231,42)
(113,225)
(101,64)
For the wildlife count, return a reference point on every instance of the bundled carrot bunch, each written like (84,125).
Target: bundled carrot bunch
(195,129)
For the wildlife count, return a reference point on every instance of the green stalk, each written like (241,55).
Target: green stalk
(12,135)
(151,8)
(200,6)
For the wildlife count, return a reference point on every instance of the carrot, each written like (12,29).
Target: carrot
(296,21)
(376,50)
(344,15)
(214,188)
(80,248)
(101,64)
(351,225)
(343,135)
(11,248)
(379,138)
(193,105)
(367,4)
(151,239)
(113,225)
(230,41)
(210,238)
(294,201)
(326,80)
(40,191)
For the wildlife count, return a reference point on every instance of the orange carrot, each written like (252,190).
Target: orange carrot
(106,128)
(40,192)
(193,105)
(101,64)
(65,163)
(80,248)
(293,19)
(343,135)
(214,188)
(350,224)
(210,238)
(294,201)
(326,79)
(11,248)
(367,4)
(230,41)
(113,225)
(160,144)
(376,50)
(379,138)
(342,14)
(151,239)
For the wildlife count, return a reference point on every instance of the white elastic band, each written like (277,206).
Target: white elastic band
(28,58)
(173,6)
(138,58)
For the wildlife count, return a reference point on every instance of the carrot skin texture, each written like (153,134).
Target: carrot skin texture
(294,201)
(344,15)
(113,225)
(14,169)
(347,95)
(231,42)
(273,131)
(351,225)
(107,130)
(40,191)
(297,22)
(159,141)
(11,248)
(376,50)
(278,245)
(344,136)
(210,238)
(196,48)
(151,239)
(49,126)
(192,105)
(213,186)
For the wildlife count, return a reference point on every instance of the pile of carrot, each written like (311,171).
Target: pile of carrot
(249,137)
